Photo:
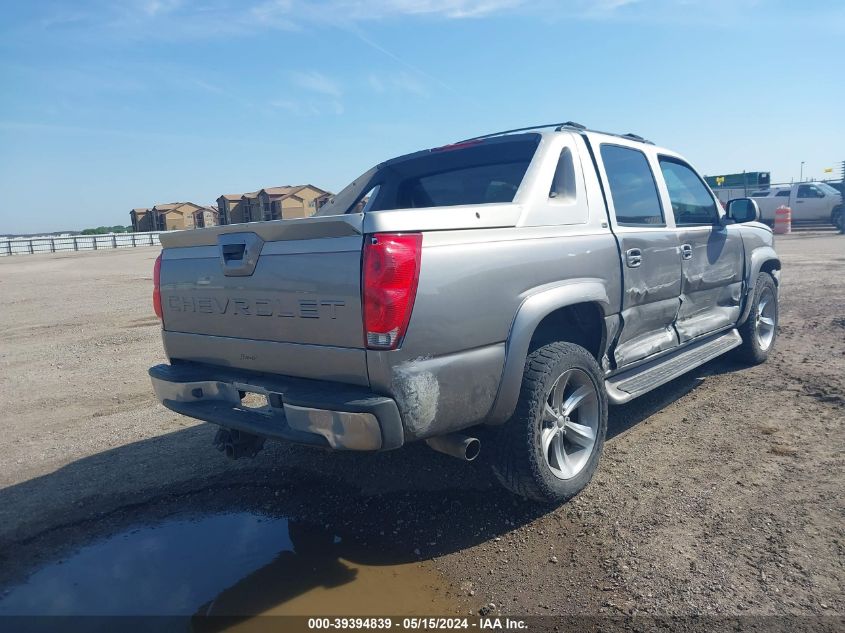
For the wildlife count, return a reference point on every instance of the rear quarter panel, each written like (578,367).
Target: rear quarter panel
(447,373)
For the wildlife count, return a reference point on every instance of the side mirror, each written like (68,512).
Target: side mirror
(742,210)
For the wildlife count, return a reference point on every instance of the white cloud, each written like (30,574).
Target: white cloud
(293,106)
(315,81)
(376,84)
(443,8)
(307,108)
(294,13)
(164,19)
(397,82)
(159,7)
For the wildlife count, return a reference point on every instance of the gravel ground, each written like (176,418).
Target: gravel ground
(720,493)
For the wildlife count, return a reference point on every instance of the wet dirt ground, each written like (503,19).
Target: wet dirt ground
(719,494)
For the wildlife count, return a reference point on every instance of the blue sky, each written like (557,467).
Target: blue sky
(108,105)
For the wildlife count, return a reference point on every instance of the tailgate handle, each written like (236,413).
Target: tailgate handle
(233,252)
(239,253)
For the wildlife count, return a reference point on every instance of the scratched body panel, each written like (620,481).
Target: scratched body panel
(711,288)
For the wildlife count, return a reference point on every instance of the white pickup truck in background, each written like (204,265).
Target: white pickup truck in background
(809,201)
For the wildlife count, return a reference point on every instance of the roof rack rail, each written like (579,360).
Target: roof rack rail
(635,137)
(571,124)
(557,126)
(630,136)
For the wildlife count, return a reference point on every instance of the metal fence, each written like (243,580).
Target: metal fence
(53,244)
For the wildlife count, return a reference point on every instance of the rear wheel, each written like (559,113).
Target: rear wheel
(550,448)
(761,327)
(839,220)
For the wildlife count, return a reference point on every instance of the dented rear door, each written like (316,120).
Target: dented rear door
(648,244)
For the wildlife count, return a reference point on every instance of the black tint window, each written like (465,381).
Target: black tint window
(470,173)
(782,194)
(808,191)
(691,202)
(470,185)
(631,186)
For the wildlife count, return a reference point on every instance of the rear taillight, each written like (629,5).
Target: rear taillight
(391,273)
(157,287)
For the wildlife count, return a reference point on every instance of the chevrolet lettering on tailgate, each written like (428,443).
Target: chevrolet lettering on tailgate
(304,308)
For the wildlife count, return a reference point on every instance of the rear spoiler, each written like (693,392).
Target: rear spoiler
(271,231)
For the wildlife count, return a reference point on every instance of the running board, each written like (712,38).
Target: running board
(635,382)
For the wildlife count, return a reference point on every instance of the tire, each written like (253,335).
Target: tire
(839,220)
(519,460)
(760,329)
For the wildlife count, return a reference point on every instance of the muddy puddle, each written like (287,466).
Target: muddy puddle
(231,564)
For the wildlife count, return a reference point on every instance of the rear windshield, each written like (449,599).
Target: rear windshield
(468,173)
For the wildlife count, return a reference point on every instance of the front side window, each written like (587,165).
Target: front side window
(632,186)
(809,191)
(691,201)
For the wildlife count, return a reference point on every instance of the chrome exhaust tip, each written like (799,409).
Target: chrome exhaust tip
(457,445)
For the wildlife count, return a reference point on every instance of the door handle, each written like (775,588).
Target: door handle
(633,257)
(686,251)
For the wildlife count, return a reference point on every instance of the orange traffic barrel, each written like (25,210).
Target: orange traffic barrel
(783,220)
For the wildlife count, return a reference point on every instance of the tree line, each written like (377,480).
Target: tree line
(102,230)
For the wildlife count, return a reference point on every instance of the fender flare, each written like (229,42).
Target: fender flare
(759,257)
(530,313)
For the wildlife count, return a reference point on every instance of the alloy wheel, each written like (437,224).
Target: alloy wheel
(570,423)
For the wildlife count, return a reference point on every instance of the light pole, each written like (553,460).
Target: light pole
(801,177)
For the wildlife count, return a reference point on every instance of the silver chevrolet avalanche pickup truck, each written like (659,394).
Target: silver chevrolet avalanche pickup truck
(507,287)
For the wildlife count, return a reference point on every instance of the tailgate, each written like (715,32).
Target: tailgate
(288,290)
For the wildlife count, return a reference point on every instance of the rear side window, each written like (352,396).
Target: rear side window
(632,186)
(782,194)
(476,172)
(563,185)
(691,201)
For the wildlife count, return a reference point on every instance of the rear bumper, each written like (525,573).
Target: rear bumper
(317,413)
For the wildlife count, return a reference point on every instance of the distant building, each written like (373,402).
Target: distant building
(206,216)
(271,203)
(139,219)
(228,206)
(174,216)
